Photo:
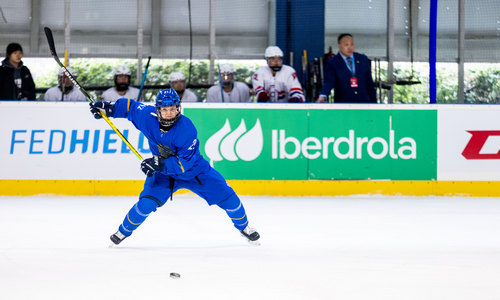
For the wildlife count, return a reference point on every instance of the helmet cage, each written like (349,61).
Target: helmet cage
(167,98)
(168,122)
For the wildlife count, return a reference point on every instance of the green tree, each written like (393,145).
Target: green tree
(484,86)
(446,84)
(415,93)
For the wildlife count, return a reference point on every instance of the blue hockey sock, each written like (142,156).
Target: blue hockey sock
(235,210)
(137,214)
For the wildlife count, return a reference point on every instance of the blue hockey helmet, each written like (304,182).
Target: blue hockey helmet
(167,98)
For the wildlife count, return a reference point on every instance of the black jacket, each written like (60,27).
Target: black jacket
(9,90)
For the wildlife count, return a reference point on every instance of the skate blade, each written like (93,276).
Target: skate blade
(112,245)
(254,243)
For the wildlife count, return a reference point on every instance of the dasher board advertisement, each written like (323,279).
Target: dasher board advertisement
(61,141)
(304,144)
(469,143)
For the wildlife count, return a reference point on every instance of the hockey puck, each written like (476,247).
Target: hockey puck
(175,275)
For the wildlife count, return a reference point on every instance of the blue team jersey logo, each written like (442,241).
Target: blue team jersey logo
(193,145)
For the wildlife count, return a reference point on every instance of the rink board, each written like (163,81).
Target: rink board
(263,149)
(262,187)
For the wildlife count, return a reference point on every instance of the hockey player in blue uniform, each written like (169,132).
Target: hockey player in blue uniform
(176,162)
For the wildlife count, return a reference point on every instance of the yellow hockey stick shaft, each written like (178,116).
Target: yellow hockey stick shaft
(120,135)
(50,40)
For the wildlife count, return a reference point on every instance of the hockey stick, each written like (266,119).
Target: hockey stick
(220,84)
(63,87)
(143,79)
(305,79)
(50,40)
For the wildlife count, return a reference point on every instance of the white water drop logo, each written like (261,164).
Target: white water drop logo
(235,145)
(212,145)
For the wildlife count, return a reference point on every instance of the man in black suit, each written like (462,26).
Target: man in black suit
(349,73)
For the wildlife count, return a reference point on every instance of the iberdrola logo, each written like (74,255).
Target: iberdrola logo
(235,144)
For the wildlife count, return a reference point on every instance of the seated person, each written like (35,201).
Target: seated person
(228,90)
(276,82)
(64,91)
(177,81)
(122,88)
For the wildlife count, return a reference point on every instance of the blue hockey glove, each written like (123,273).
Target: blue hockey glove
(101,106)
(151,165)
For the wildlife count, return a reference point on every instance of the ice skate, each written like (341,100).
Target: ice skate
(251,235)
(117,238)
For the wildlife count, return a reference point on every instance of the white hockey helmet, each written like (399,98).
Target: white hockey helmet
(122,70)
(176,76)
(227,69)
(273,51)
(61,72)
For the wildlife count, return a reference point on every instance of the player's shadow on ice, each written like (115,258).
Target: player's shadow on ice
(169,249)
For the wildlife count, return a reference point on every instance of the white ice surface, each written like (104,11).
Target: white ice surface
(358,247)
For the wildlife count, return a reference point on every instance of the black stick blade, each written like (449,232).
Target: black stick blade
(50,40)
(52,46)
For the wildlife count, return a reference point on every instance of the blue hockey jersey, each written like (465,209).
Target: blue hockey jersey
(179,146)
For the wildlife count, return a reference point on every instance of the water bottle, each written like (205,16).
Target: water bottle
(273,94)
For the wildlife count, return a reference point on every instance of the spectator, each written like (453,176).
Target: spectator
(228,90)
(350,74)
(276,82)
(65,90)
(122,88)
(178,83)
(16,82)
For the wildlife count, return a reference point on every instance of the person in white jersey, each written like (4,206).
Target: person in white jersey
(122,88)
(177,81)
(228,90)
(276,82)
(64,91)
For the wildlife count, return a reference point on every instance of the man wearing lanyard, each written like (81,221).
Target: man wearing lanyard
(349,74)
